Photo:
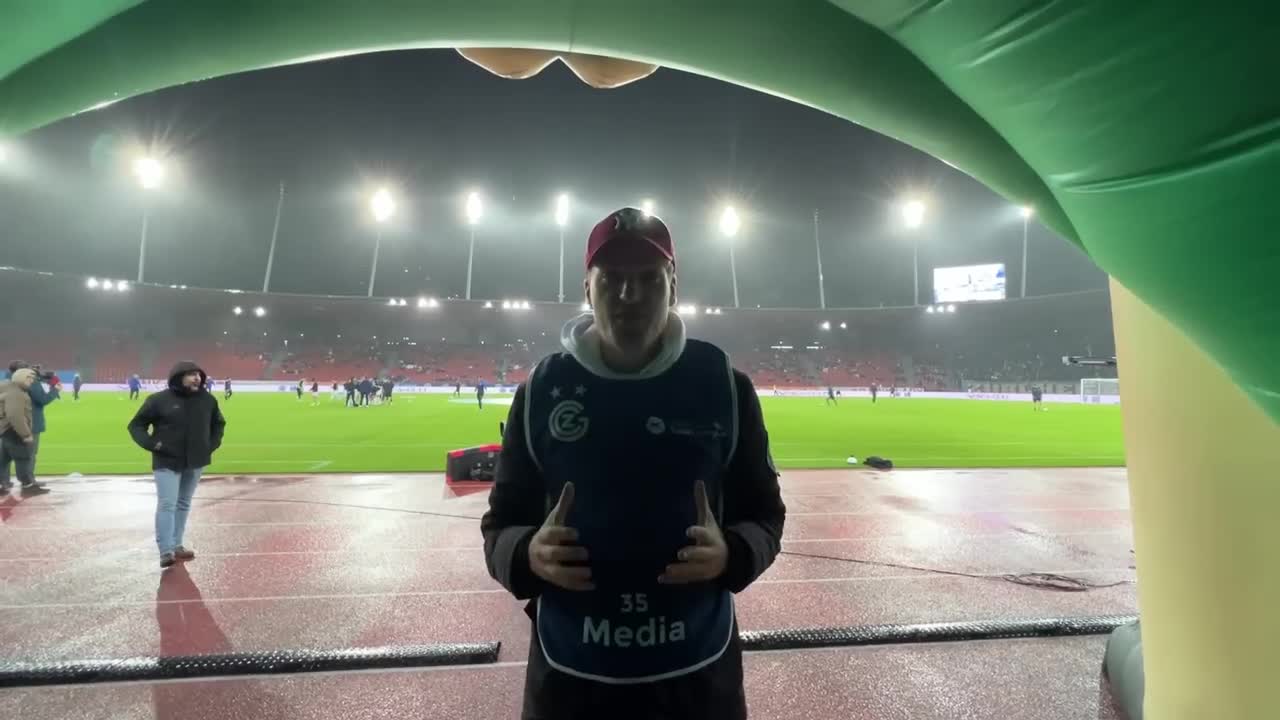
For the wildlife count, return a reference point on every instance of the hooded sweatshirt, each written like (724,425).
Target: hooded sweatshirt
(580,339)
(180,427)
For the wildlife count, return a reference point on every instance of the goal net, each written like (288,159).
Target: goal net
(1099,390)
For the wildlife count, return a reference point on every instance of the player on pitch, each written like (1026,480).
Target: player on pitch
(634,494)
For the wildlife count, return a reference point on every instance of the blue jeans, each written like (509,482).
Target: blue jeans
(174,491)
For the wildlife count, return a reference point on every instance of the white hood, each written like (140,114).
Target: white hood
(580,339)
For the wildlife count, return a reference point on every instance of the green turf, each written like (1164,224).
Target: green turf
(274,433)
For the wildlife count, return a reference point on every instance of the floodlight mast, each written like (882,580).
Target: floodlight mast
(149,172)
(730,223)
(382,205)
(474,209)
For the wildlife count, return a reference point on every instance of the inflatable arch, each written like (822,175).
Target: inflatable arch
(1145,131)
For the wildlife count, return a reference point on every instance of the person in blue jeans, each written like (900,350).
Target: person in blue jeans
(181,426)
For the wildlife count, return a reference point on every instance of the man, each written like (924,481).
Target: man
(457,388)
(299,388)
(226,389)
(17,432)
(831,395)
(315,393)
(633,494)
(181,427)
(350,387)
(875,390)
(1037,398)
(76,384)
(40,399)
(388,386)
(480,394)
(135,386)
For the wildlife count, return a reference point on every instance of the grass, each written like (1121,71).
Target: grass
(274,433)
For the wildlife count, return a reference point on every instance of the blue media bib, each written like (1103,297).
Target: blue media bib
(634,450)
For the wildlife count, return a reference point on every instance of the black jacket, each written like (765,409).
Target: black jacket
(180,428)
(752,526)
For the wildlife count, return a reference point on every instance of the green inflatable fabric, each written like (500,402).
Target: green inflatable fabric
(1146,131)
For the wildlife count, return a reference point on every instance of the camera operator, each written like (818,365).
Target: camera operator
(39,399)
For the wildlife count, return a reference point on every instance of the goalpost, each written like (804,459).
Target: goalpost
(1094,390)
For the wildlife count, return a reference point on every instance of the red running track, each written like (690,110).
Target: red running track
(339,561)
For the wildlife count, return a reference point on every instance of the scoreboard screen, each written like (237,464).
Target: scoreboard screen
(969,283)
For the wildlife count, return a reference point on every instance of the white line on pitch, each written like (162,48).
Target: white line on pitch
(467,548)
(278,552)
(381,551)
(921,575)
(925,574)
(268,598)
(1003,535)
(137,528)
(1010,511)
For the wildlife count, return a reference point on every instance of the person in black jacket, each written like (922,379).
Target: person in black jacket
(181,427)
(634,494)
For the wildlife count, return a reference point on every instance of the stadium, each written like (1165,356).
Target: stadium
(791,355)
(346,267)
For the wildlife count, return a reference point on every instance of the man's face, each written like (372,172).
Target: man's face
(191,380)
(631,302)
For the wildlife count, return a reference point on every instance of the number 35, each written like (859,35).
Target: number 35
(635,602)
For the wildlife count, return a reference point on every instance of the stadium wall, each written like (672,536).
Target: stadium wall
(267,386)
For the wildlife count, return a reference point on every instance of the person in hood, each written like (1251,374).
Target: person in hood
(17,432)
(181,427)
(40,399)
(634,495)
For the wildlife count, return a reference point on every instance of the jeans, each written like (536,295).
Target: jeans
(174,491)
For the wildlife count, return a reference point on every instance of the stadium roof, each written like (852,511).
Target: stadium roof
(1144,132)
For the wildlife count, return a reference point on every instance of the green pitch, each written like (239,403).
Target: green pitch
(274,433)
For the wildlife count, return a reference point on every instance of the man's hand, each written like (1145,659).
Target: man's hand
(553,554)
(708,556)
(28,440)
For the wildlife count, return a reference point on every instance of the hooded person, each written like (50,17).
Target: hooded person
(633,496)
(40,398)
(17,432)
(181,426)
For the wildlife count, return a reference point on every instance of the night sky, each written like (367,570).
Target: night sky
(432,126)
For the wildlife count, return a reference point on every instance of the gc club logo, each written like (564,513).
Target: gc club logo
(567,423)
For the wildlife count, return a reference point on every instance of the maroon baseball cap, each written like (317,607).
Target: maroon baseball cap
(631,236)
